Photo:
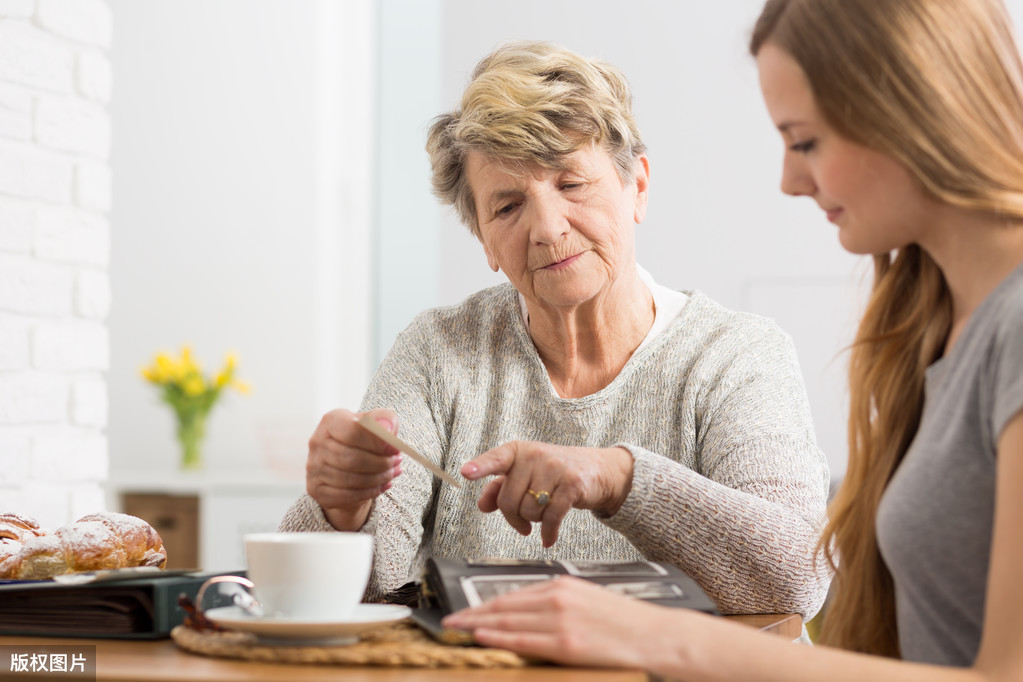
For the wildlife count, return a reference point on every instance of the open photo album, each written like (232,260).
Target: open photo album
(450,585)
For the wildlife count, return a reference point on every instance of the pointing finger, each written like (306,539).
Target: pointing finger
(553,515)
(496,461)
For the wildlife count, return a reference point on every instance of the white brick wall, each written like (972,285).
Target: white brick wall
(55,85)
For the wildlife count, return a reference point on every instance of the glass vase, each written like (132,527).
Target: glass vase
(191,430)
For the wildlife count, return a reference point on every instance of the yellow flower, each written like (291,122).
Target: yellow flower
(183,385)
(223,377)
(193,385)
(188,361)
(166,369)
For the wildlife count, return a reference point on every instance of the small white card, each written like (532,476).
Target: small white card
(371,425)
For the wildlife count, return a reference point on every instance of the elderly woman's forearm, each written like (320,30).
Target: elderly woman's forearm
(749,553)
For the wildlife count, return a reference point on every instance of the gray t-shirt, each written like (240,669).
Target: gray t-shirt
(935,519)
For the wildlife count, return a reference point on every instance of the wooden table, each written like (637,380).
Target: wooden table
(162,661)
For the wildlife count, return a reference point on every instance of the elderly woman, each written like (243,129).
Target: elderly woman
(631,421)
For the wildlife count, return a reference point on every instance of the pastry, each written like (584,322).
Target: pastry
(94,542)
(14,531)
(18,528)
(141,543)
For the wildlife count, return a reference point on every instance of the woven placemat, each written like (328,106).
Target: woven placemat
(399,644)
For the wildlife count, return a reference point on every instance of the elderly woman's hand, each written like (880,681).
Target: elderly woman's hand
(348,466)
(539,482)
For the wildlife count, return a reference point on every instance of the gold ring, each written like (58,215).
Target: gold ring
(542,497)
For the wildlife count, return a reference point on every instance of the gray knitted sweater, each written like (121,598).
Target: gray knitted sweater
(728,483)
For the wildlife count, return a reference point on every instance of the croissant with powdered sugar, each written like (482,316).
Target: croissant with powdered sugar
(94,542)
(15,530)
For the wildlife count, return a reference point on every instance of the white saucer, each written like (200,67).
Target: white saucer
(295,631)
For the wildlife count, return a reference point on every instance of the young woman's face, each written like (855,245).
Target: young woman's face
(873,199)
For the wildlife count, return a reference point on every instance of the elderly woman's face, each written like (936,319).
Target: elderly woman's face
(560,236)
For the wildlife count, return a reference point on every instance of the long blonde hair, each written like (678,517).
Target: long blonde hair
(938,86)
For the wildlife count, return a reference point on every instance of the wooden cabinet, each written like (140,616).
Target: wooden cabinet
(175,518)
(203,518)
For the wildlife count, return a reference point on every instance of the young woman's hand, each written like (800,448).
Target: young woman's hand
(575,622)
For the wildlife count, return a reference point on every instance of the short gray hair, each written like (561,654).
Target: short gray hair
(532,103)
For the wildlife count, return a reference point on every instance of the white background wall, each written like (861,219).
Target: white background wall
(271,195)
(242,184)
(244,221)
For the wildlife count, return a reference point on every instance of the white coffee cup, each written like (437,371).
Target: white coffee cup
(309,576)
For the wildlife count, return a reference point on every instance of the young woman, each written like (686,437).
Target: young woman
(903,120)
